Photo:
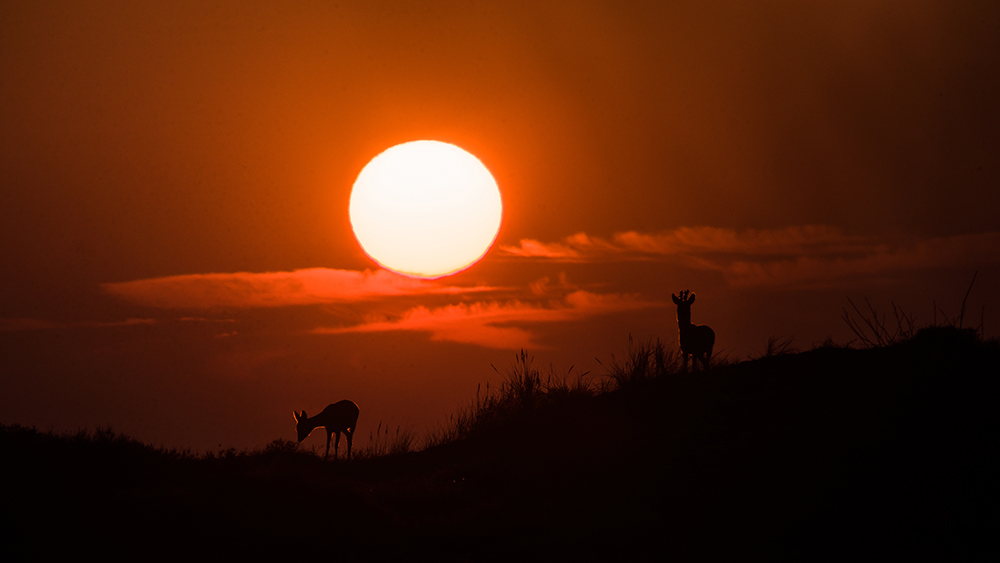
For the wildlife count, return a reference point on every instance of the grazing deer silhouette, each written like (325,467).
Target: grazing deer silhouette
(696,340)
(338,417)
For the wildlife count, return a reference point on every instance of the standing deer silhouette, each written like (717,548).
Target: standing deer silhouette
(696,340)
(338,417)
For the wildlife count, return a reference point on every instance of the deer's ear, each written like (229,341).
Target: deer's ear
(691,300)
(676,301)
(296,415)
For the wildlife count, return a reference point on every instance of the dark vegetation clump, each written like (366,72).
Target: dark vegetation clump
(643,361)
(521,393)
(887,449)
(383,441)
(876,329)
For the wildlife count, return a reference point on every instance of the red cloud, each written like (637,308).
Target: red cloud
(484,324)
(275,289)
(809,255)
(635,245)
(788,241)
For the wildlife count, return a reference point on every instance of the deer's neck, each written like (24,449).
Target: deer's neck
(684,319)
(312,423)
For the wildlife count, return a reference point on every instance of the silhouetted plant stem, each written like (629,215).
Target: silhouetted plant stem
(961,314)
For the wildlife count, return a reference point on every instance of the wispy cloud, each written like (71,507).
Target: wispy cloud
(879,260)
(687,240)
(802,255)
(490,324)
(129,322)
(276,289)
(19,324)
(14,325)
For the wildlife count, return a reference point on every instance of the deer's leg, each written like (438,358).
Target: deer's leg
(336,446)
(350,440)
(685,355)
(327,452)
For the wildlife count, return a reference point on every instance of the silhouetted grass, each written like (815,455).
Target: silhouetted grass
(383,442)
(821,454)
(874,329)
(521,391)
(643,361)
(778,346)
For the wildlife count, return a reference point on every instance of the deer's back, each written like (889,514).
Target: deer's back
(342,414)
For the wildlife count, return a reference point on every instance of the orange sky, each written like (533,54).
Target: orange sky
(175,178)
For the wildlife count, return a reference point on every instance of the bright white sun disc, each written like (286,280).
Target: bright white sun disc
(426,209)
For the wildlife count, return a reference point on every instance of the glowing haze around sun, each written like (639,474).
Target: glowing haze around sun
(425,209)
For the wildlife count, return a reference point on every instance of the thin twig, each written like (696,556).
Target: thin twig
(860,331)
(856,327)
(961,315)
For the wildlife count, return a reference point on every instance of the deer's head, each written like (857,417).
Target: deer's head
(683,305)
(300,425)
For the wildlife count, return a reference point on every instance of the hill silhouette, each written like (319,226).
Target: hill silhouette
(814,455)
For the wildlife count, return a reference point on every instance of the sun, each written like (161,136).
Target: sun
(425,209)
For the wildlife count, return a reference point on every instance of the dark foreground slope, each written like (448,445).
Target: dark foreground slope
(823,454)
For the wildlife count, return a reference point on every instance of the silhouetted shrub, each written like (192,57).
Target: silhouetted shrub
(643,361)
(382,442)
(521,392)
